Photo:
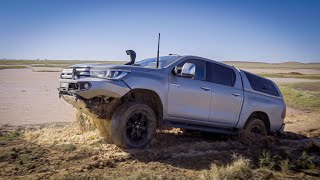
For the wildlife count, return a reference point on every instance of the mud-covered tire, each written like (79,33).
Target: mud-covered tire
(256,126)
(133,125)
(253,130)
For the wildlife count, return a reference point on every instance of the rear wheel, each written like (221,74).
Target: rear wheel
(256,126)
(133,125)
(253,130)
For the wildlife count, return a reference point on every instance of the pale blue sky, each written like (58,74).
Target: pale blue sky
(247,30)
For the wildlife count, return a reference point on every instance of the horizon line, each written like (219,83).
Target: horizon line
(243,61)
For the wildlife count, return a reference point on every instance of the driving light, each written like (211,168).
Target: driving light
(86,85)
(108,74)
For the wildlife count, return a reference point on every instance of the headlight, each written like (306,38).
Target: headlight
(108,74)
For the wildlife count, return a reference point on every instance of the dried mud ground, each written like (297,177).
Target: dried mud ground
(64,152)
(45,146)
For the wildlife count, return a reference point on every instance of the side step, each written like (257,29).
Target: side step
(198,127)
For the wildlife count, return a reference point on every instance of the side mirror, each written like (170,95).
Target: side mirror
(188,70)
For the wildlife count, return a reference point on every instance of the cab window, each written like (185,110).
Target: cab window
(261,84)
(220,74)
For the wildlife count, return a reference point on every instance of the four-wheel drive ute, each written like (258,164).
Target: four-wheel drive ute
(186,92)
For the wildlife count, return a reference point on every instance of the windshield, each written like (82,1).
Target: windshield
(152,62)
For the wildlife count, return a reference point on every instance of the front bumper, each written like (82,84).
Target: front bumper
(80,105)
(98,87)
(75,102)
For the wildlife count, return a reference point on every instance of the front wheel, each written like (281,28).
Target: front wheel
(133,125)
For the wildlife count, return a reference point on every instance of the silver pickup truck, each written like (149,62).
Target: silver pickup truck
(188,92)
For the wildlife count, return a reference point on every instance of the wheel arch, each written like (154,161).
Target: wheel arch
(262,116)
(148,97)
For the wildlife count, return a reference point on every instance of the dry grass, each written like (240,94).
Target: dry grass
(240,168)
(285,65)
(9,136)
(285,166)
(243,168)
(86,132)
(84,151)
(290,75)
(301,95)
(13,67)
(305,161)
(69,134)
(145,175)
(267,160)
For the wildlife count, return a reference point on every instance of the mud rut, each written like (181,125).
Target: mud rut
(195,150)
(172,153)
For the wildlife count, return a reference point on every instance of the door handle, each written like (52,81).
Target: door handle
(174,85)
(205,88)
(235,94)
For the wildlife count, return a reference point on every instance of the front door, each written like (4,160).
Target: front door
(189,98)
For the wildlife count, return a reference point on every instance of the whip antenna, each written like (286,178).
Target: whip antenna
(158,51)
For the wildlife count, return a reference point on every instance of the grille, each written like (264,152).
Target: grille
(75,73)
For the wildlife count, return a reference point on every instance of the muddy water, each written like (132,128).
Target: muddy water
(28,97)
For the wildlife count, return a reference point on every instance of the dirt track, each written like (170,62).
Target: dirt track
(31,98)
(64,153)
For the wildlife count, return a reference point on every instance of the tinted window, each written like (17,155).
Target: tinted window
(200,68)
(220,74)
(261,84)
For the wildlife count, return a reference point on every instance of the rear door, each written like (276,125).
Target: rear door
(189,98)
(227,94)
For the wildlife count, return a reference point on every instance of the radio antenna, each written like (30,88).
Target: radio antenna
(158,51)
